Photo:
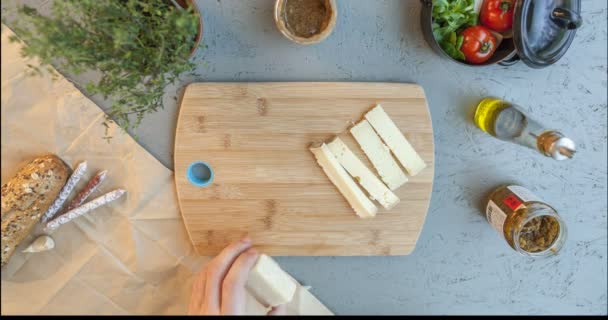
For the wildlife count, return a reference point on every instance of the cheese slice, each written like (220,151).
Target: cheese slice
(396,141)
(269,284)
(362,205)
(379,155)
(368,180)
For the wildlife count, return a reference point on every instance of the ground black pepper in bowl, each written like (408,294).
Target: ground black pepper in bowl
(306,18)
(305,21)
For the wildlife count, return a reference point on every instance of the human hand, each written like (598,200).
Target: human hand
(219,288)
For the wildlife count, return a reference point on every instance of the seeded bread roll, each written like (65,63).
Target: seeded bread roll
(25,198)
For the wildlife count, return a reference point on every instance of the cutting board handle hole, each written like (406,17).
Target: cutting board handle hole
(200,174)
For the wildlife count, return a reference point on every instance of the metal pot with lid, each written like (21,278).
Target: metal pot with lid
(542,32)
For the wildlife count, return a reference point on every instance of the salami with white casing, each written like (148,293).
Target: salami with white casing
(65,191)
(85,208)
(87,191)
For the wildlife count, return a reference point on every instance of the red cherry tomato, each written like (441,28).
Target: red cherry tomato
(497,14)
(479,44)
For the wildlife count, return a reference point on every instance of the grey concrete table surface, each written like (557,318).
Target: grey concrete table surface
(460,264)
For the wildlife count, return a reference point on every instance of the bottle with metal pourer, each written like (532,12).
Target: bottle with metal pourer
(507,122)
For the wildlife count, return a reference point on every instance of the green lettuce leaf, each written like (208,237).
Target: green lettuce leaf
(450,17)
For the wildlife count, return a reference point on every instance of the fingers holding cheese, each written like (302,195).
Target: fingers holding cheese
(270,284)
(197,297)
(222,286)
(216,272)
(233,287)
(278,310)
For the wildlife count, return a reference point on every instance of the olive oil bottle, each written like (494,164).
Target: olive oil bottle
(506,121)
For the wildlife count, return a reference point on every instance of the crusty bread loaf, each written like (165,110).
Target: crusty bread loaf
(25,198)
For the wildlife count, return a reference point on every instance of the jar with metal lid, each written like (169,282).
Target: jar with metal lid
(529,225)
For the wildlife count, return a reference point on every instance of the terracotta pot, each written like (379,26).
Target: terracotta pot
(199,36)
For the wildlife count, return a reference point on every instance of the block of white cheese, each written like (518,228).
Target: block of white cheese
(379,155)
(362,205)
(396,141)
(364,176)
(269,284)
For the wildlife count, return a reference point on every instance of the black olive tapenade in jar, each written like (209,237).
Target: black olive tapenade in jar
(529,225)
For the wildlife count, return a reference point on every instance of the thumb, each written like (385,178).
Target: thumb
(280,310)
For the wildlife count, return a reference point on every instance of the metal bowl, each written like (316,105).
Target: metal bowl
(505,53)
(280,22)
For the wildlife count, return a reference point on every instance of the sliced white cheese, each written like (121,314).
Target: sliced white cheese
(362,205)
(269,284)
(364,176)
(379,155)
(396,141)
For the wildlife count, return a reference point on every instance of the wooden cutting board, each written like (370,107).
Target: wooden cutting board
(267,184)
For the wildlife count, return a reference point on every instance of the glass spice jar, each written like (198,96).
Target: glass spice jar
(529,225)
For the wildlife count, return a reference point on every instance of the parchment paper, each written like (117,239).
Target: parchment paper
(131,257)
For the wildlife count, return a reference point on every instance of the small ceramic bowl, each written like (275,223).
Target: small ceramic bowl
(281,25)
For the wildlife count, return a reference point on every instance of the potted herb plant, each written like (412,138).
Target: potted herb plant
(138,47)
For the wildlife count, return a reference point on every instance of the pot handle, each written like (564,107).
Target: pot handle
(566,19)
(509,61)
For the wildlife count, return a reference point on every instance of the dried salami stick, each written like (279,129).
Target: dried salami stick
(85,208)
(87,191)
(65,191)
